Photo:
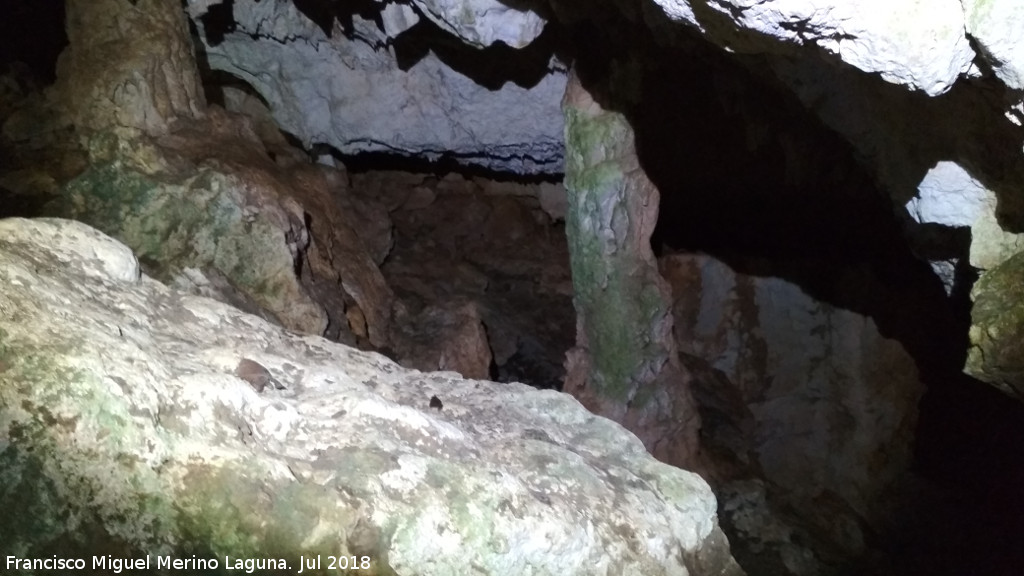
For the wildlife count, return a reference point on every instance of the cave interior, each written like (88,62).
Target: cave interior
(747,175)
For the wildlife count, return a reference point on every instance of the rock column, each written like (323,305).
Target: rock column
(130,65)
(625,365)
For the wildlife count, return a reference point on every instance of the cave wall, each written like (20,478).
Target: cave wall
(804,405)
(928,95)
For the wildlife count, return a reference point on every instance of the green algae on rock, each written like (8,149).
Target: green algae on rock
(625,365)
(202,220)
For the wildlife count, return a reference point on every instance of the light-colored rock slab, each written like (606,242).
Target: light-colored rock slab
(484,22)
(915,43)
(352,94)
(128,411)
(950,196)
(996,26)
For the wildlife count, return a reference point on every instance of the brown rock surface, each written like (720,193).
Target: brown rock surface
(805,406)
(462,241)
(342,228)
(128,66)
(444,337)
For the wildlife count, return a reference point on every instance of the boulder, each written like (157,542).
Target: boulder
(137,420)
(203,207)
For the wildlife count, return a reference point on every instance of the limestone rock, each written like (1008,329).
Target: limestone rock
(127,67)
(197,8)
(811,398)
(488,244)
(943,160)
(995,25)
(397,18)
(949,196)
(915,43)
(354,96)
(553,200)
(775,545)
(248,104)
(94,254)
(190,192)
(996,354)
(948,161)
(476,22)
(953,162)
(204,198)
(122,419)
(349,238)
(484,22)
(625,363)
(447,336)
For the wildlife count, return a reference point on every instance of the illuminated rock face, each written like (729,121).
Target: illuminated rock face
(167,424)
(995,25)
(914,43)
(116,76)
(625,364)
(996,355)
(483,22)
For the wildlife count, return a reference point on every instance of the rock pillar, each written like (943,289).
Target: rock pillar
(625,365)
(130,65)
